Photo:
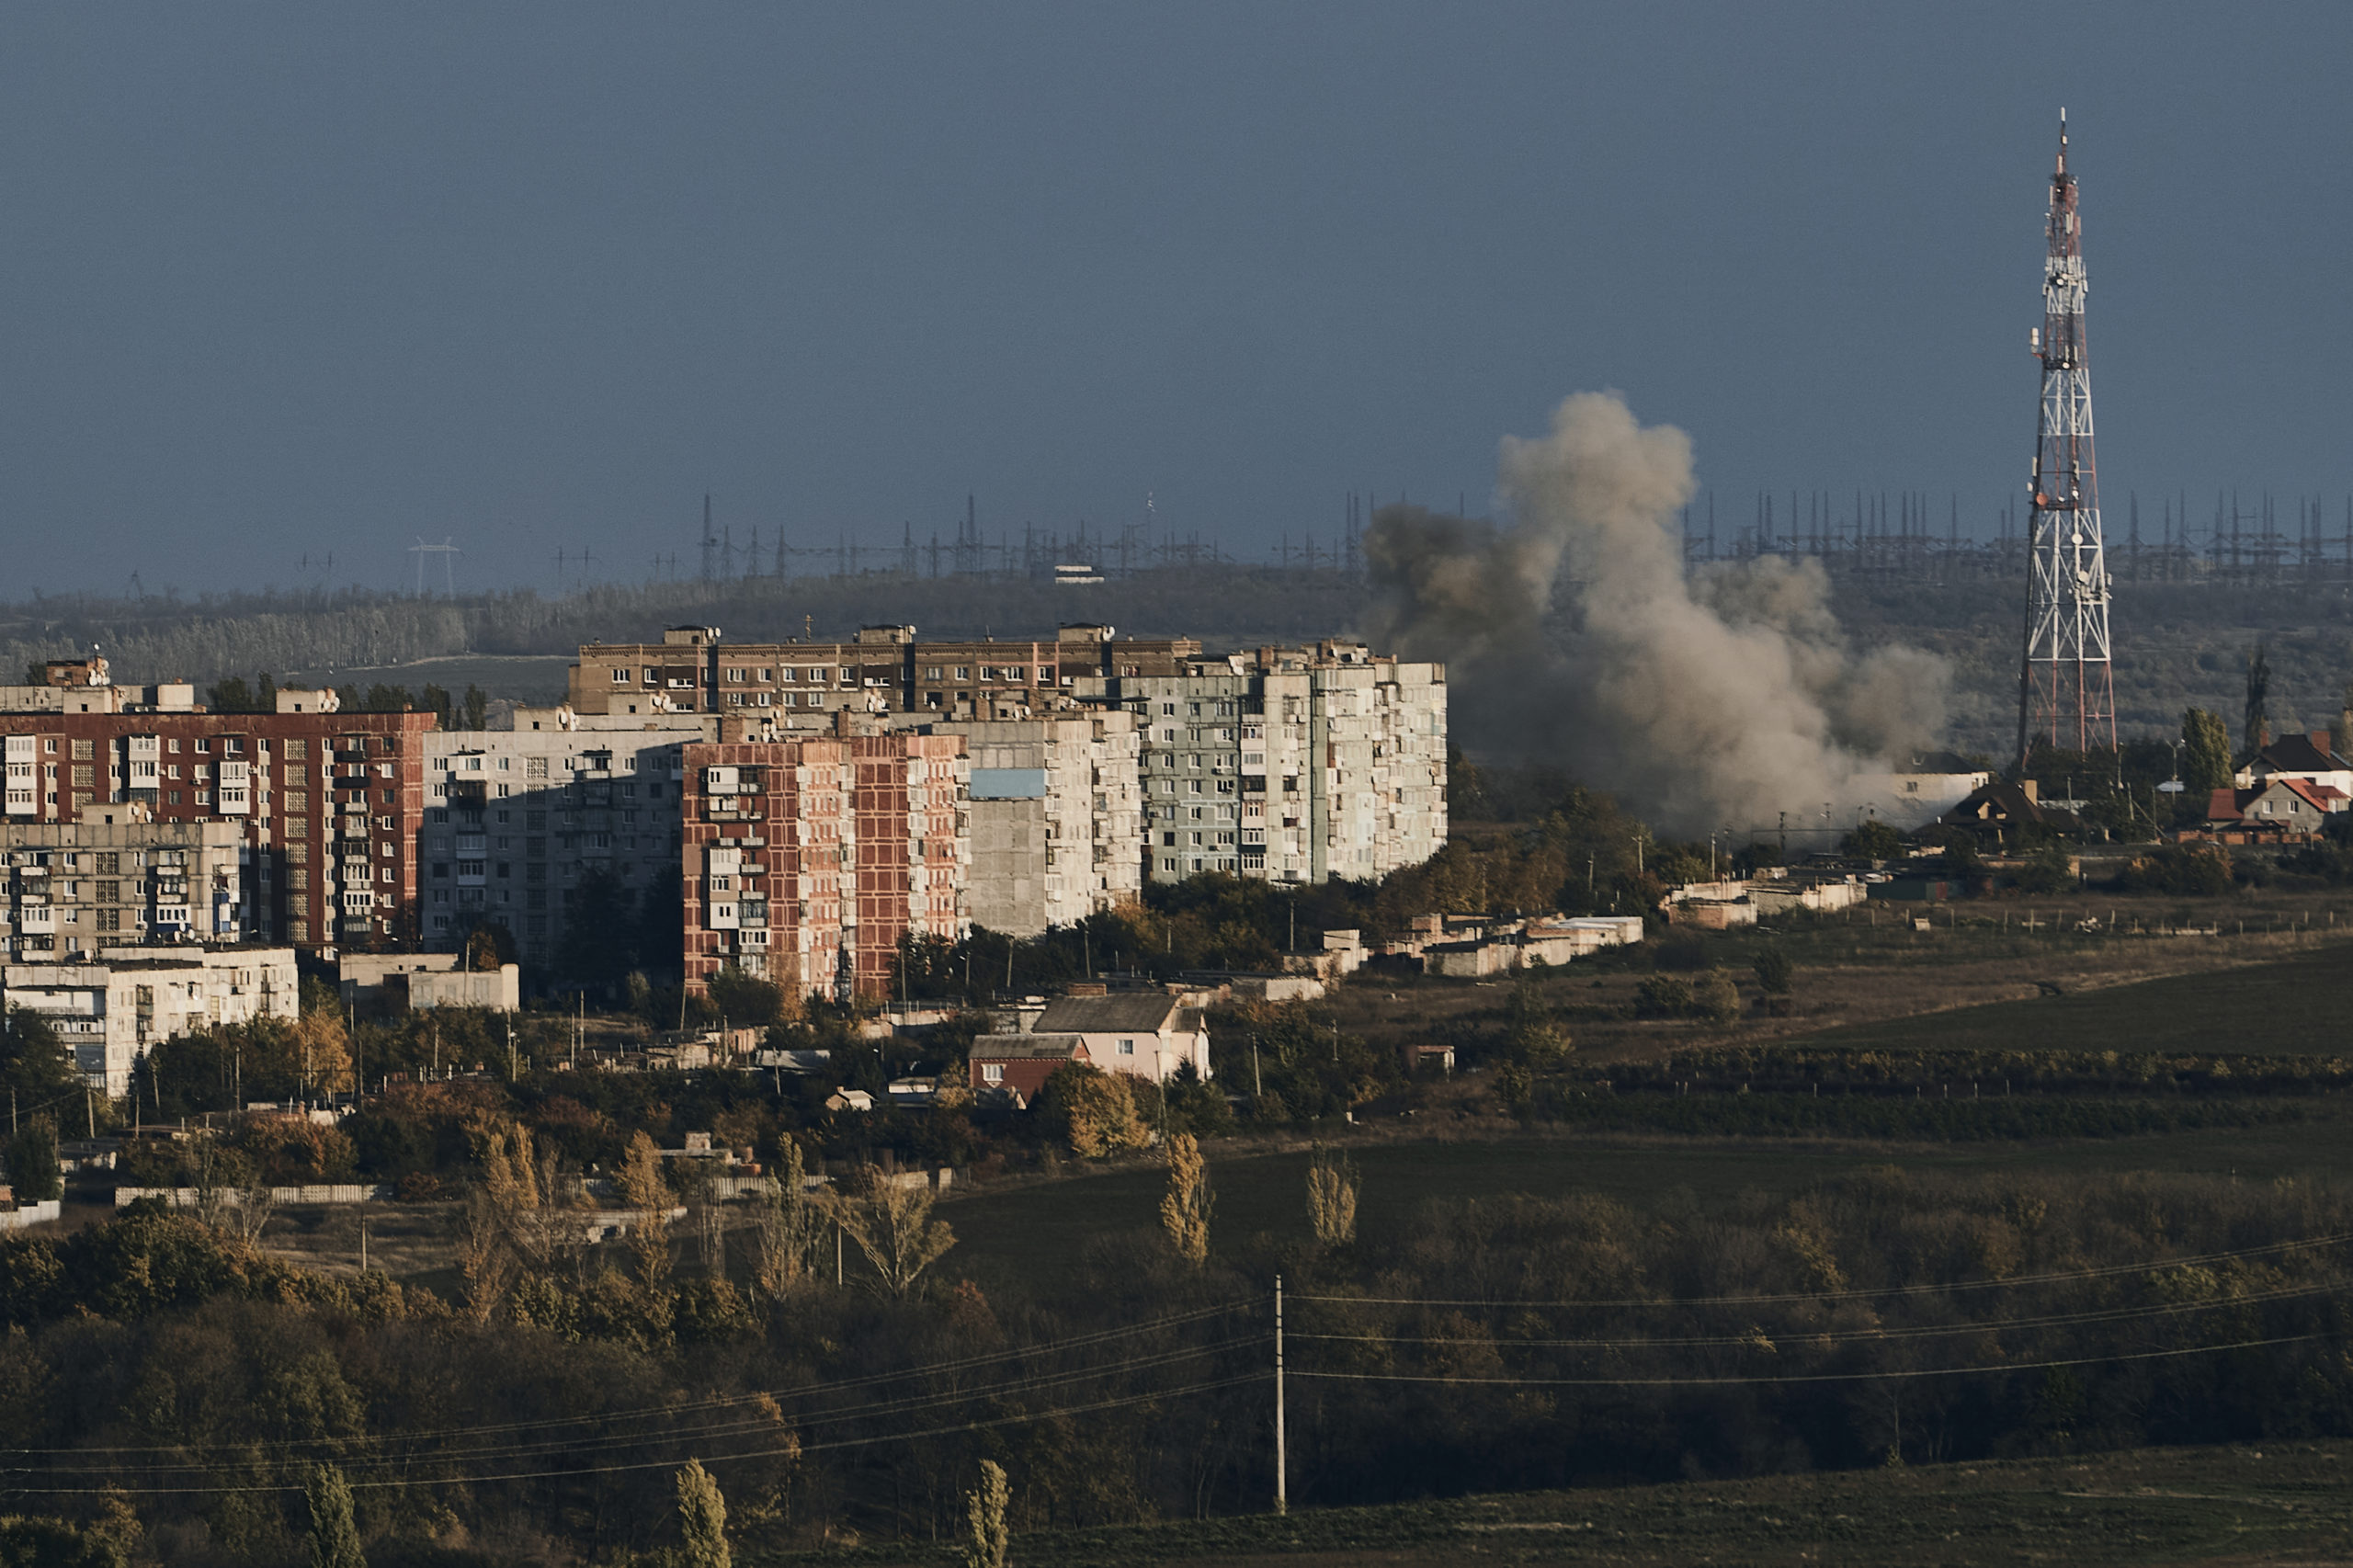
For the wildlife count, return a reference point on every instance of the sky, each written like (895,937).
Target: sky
(290,281)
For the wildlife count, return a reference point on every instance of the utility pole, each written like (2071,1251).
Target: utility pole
(1282,1488)
(2066,684)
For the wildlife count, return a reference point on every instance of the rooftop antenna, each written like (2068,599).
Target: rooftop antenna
(709,544)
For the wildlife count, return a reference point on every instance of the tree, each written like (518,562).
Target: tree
(786,1224)
(32,1161)
(1872,840)
(746,998)
(1332,1197)
(477,708)
(1185,1208)
(892,1226)
(2258,730)
(644,1189)
(1774,971)
(335,1537)
(989,1535)
(1716,998)
(2205,754)
(702,1517)
(1092,1111)
(33,1060)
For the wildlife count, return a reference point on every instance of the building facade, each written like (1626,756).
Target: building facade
(807,859)
(329,804)
(1290,765)
(517,820)
(117,877)
(110,1009)
(883,669)
(1057,805)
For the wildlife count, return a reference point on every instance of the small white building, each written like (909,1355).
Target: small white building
(1147,1033)
(109,1009)
(1924,786)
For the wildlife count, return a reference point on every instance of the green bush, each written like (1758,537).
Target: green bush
(1662,996)
(32,1163)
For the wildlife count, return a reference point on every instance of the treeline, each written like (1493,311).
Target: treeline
(163,638)
(544,1403)
(234,694)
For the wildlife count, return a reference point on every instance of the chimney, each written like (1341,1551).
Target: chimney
(2319,739)
(842,730)
(2033,792)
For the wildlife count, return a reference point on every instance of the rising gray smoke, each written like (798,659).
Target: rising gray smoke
(1574,635)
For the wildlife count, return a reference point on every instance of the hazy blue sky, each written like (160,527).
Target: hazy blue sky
(289,279)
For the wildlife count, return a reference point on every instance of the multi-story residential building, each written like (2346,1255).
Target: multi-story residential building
(1291,765)
(116,876)
(807,859)
(1056,816)
(111,1008)
(329,802)
(517,820)
(884,669)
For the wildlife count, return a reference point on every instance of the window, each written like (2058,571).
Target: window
(620,677)
(1127,1048)
(992,1072)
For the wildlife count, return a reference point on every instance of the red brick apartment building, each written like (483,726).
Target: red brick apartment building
(330,802)
(691,670)
(806,860)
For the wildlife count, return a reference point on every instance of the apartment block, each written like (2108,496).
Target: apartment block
(807,859)
(329,804)
(883,669)
(114,877)
(1291,765)
(517,821)
(1057,814)
(109,1009)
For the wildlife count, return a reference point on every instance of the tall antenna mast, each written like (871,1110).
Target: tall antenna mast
(2066,684)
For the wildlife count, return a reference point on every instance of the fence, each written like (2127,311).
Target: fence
(25,1214)
(186,1197)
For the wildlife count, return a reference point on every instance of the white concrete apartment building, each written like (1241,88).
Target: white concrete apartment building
(516,819)
(1290,765)
(115,876)
(1056,815)
(111,1009)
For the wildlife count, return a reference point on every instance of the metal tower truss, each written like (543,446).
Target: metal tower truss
(2066,684)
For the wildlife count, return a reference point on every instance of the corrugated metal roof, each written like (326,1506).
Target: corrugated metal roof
(1026,1046)
(1130,1012)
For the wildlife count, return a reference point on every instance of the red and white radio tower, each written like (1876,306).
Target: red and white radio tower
(2066,687)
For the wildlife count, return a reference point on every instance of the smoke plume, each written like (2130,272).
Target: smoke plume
(1574,635)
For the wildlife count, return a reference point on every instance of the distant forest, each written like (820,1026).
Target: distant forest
(2177,643)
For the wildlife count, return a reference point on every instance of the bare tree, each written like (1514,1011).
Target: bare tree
(893,1227)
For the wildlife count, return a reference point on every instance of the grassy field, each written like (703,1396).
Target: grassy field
(1027,1231)
(2295,1005)
(2282,1503)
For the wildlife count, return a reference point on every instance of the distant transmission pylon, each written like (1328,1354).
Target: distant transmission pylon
(2066,683)
(448,552)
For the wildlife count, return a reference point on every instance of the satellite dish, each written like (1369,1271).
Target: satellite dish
(2172,787)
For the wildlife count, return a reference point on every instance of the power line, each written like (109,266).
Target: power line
(786,1451)
(1813,1377)
(1859,1292)
(1842,1336)
(670,1411)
